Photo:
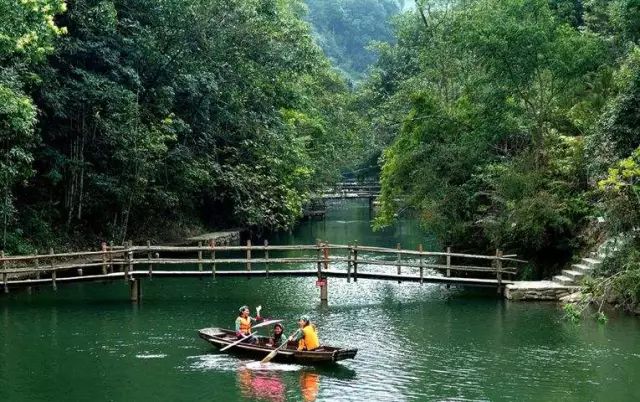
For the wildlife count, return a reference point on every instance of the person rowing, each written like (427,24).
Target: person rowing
(245,321)
(306,336)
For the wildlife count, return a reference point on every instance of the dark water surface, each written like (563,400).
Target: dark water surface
(87,342)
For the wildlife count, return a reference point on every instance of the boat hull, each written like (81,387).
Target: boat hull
(220,338)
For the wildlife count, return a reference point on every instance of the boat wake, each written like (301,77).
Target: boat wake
(257,366)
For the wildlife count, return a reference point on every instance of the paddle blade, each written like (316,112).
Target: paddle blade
(270,356)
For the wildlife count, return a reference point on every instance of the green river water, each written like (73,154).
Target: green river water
(87,342)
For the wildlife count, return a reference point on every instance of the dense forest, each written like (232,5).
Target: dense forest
(125,117)
(514,124)
(499,123)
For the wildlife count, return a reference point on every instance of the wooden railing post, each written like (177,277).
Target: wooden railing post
(355,261)
(399,262)
(349,262)
(129,266)
(110,257)
(249,255)
(200,256)
(499,269)
(325,255)
(212,244)
(149,257)
(318,256)
(37,262)
(448,262)
(266,257)
(324,283)
(421,264)
(103,247)
(4,274)
(53,271)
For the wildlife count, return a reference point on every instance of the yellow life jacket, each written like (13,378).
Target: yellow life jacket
(245,325)
(309,339)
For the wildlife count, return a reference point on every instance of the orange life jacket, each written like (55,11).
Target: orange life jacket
(245,325)
(309,339)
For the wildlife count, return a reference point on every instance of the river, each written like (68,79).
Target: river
(87,342)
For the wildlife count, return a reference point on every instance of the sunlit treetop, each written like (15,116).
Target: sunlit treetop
(28,27)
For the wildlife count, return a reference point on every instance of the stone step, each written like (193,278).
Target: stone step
(574,275)
(563,280)
(585,269)
(592,261)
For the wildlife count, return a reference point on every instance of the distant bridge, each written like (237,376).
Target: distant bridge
(352,190)
(132,264)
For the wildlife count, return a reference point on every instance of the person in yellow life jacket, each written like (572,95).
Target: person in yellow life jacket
(244,322)
(306,335)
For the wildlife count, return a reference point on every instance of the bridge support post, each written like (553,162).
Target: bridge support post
(324,291)
(349,262)
(355,261)
(135,293)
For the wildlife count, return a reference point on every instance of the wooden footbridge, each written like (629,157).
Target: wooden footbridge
(352,190)
(132,264)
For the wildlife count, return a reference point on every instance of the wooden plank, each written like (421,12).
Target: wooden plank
(59,255)
(289,273)
(429,253)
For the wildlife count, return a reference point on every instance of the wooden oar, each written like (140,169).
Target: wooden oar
(274,352)
(263,324)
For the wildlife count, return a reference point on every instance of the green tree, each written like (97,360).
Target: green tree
(26,30)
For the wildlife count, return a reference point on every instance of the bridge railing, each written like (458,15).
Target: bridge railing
(328,258)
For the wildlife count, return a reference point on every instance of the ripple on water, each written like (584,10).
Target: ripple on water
(151,356)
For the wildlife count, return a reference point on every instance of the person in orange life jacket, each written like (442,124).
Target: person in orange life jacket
(244,321)
(306,335)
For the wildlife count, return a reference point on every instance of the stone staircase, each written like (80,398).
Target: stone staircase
(574,275)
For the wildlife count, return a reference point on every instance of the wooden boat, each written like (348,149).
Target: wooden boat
(324,354)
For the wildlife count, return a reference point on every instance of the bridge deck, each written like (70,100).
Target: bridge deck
(140,274)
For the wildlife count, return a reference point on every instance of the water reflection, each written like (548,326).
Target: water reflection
(270,385)
(264,385)
(309,384)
